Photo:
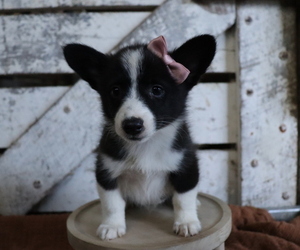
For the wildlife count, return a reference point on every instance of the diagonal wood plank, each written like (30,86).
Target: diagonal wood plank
(19,108)
(59,141)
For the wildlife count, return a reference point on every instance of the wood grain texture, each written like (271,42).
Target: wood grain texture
(212,113)
(225,57)
(184,23)
(50,149)
(29,4)
(268,145)
(33,43)
(219,174)
(60,140)
(78,188)
(144,225)
(21,107)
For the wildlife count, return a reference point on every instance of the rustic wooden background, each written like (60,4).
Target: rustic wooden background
(243,114)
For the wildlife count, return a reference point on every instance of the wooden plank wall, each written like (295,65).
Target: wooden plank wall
(268,111)
(49,162)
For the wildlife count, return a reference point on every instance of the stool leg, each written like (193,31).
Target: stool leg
(221,247)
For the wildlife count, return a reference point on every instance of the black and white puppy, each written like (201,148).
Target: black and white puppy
(146,154)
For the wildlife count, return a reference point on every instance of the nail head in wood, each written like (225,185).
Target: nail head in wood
(67,109)
(37,184)
(254,163)
(282,128)
(283,55)
(285,196)
(248,19)
(249,92)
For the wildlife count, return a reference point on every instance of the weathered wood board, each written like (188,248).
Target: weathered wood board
(47,153)
(21,107)
(50,149)
(29,4)
(33,43)
(78,188)
(175,30)
(268,111)
(218,173)
(225,58)
(212,110)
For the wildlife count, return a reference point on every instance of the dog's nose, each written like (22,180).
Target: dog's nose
(133,126)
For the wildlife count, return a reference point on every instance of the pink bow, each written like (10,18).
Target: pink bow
(159,47)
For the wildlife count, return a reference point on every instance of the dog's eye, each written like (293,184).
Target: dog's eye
(157,91)
(115,92)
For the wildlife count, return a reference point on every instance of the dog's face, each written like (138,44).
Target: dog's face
(139,95)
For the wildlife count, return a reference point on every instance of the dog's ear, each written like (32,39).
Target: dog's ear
(87,62)
(196,54)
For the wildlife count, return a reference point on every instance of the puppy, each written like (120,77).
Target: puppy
(146,154)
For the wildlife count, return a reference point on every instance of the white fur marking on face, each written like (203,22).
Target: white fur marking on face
(132,60)
(133,106)
(113,214)
(185,211)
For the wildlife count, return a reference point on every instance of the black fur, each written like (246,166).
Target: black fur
(187,176)
(103,176)
(112,145)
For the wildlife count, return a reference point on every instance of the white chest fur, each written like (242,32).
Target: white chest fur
(143,174)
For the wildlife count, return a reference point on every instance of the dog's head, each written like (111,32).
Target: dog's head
(140,92)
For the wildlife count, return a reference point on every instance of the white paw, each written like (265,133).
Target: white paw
(187,229)
(109,232)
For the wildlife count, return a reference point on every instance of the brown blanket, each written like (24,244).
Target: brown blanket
(252,229)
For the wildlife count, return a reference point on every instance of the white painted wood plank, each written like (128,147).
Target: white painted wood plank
(21,107)
(217,177)
(188,19)
(34,4)
(78,188)
(32,43)
(225,58)
(268,104)
(50,149)
(212,113)
(65,140)
(219,174)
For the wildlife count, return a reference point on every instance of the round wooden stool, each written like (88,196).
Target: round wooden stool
(152,228)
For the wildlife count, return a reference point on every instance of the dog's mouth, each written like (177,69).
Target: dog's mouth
(134,138)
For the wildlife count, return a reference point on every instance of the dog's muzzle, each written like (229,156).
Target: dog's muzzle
(133,127)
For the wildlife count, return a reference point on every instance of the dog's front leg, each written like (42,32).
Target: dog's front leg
(185,211)
(185,201)
(113,214)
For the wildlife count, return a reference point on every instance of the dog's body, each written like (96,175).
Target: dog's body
(145,154)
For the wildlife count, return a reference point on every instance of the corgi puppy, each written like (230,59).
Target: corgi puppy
(145,154)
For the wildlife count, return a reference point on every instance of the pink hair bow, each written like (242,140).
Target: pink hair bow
(159,47)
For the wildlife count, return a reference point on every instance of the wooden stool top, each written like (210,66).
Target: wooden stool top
(151,228)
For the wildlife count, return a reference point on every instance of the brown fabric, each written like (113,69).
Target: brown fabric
(34,232)
(253,228)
